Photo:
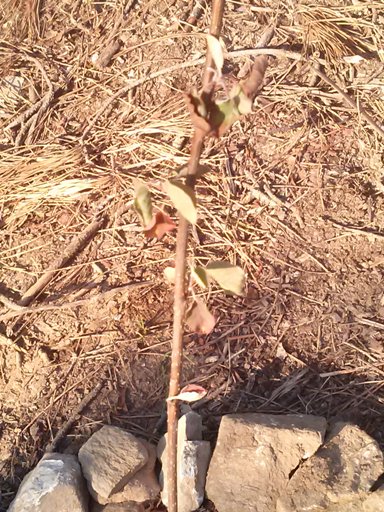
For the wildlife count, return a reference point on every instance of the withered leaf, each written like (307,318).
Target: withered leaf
(189,393)
(253,83)
(142,202)
(211,118)
(229,277)
(183,199)
(199,319)
(216,50)
(200,276)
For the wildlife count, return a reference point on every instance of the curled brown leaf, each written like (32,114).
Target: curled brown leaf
(211,118)
(199,114)
(200,319)
(254,82)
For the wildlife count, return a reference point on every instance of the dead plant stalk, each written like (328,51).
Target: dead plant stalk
(180,283)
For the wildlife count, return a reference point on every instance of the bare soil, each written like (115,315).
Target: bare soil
(294,196)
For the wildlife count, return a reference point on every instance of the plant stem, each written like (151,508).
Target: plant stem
(180,279)
(178,331)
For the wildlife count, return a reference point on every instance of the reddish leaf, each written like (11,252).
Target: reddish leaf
(199,319)
(161,223)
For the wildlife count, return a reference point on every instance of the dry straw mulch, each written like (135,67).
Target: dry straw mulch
(90,98)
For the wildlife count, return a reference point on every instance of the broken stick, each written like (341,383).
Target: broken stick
(63,431)
(75,246)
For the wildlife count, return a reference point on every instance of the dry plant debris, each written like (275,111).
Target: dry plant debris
(294,196)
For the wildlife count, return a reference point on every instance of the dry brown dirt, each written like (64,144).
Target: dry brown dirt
(294,196)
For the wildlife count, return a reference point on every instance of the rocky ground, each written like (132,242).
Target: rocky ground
(294,196)
(261,463)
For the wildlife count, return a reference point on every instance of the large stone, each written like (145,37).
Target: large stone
(142,486)
(55,484)
(342,471)
(193,456)
(254,456)
(189,428)
(109,459)
(130,506)
(372,502)
(192,469)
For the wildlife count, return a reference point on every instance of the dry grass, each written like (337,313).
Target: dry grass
(338,32)
(299,341)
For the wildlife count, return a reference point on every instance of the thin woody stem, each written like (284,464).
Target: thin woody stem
(178,330)
(180,281)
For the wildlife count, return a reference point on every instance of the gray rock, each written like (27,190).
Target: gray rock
(193,467)
(142,486)
(54,485)
(254,456)
(193,459)
(342,471)
(189,428)
(109,459)
(129,506)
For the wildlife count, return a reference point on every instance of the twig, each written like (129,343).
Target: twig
(367,117)
(180,277)
(178,330)
(196,13)
(57,398)
(29,119)
(75,246)
(24,115)
(370,323)
(74,304)
(63,431)
(353,370)
(9,303)
(358,231)
(108,53)
(191,17)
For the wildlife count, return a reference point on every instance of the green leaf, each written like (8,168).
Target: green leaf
(200,277)
(142,202)
(227,112)
(183,199)
(229,277)
(242,103)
